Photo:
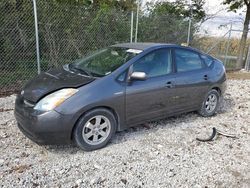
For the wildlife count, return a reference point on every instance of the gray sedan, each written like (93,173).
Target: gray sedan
(114,88)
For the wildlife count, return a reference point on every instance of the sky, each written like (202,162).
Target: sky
(223,17)
(213,26)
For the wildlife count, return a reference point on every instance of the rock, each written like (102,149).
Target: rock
(160,146)
(62,171)
(96,166)
(4,135)
(79,181)
(156,152)
(171,174)
(140,183)
(95,180)
(1,162)
(124,181)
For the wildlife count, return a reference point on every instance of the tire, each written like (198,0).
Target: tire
(95,129)
(205,111)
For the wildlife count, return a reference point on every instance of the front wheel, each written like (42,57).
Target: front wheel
(210,104)
(95,129)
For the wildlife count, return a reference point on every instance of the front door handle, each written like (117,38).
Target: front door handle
(205,77)
(169,85)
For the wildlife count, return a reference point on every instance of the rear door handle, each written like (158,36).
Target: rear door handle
(169,85)
(205,77)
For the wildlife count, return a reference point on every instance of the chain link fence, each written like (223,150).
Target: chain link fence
(17,44)
(68,32)
(223,47)
(164,28)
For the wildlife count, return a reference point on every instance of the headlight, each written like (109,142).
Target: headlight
(53,100)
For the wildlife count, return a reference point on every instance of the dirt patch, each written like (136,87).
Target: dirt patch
(6,110)
(5,93)
(238,75)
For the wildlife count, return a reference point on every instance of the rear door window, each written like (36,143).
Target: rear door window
(187,60)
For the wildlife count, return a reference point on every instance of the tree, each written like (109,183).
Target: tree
(181,9)
(167,21)
(234,5)
(97,4)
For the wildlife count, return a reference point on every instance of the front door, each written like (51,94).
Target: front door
(153,97)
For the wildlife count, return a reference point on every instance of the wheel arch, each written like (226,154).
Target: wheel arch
(217,89)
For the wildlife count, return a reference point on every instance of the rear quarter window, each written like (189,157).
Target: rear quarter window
(207,60)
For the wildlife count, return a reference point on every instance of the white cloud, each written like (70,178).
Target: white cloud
(222,17)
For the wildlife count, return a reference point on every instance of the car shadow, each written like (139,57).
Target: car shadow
(123,136)
(227,103)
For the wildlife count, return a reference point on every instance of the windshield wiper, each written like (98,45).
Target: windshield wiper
(71,67)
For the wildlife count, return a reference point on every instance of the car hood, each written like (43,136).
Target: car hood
(50,81)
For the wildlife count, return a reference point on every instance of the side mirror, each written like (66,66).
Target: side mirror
(138,76)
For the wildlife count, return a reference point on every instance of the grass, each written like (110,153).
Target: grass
(239,75)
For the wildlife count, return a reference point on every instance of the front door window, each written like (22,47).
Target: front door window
(156,63)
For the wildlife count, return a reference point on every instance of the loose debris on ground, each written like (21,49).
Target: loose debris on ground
(214,135)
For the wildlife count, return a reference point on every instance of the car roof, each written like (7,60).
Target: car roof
(145,45)
(141,45)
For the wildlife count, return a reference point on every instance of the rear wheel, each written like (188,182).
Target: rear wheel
(210,104)
(95,129)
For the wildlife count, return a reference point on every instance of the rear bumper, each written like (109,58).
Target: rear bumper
(43,128)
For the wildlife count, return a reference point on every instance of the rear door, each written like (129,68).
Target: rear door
(153,97)
(192,79)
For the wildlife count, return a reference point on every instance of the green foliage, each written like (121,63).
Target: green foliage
(179,8)
(120,4)
(234,5)
(168,21)
(69,29)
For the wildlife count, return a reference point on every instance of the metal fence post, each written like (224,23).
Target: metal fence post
(137,20)
(189,22)
(247,64)
(37,38)
(132,25)
(228,42)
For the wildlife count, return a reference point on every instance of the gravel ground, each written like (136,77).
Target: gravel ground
(165,154)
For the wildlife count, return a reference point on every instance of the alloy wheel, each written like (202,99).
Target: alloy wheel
(96,130)
(211,103)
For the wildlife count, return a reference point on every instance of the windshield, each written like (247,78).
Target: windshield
(103,62)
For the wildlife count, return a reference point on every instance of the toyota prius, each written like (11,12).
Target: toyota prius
(115,88)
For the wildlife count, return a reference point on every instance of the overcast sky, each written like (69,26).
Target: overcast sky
(223,17)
